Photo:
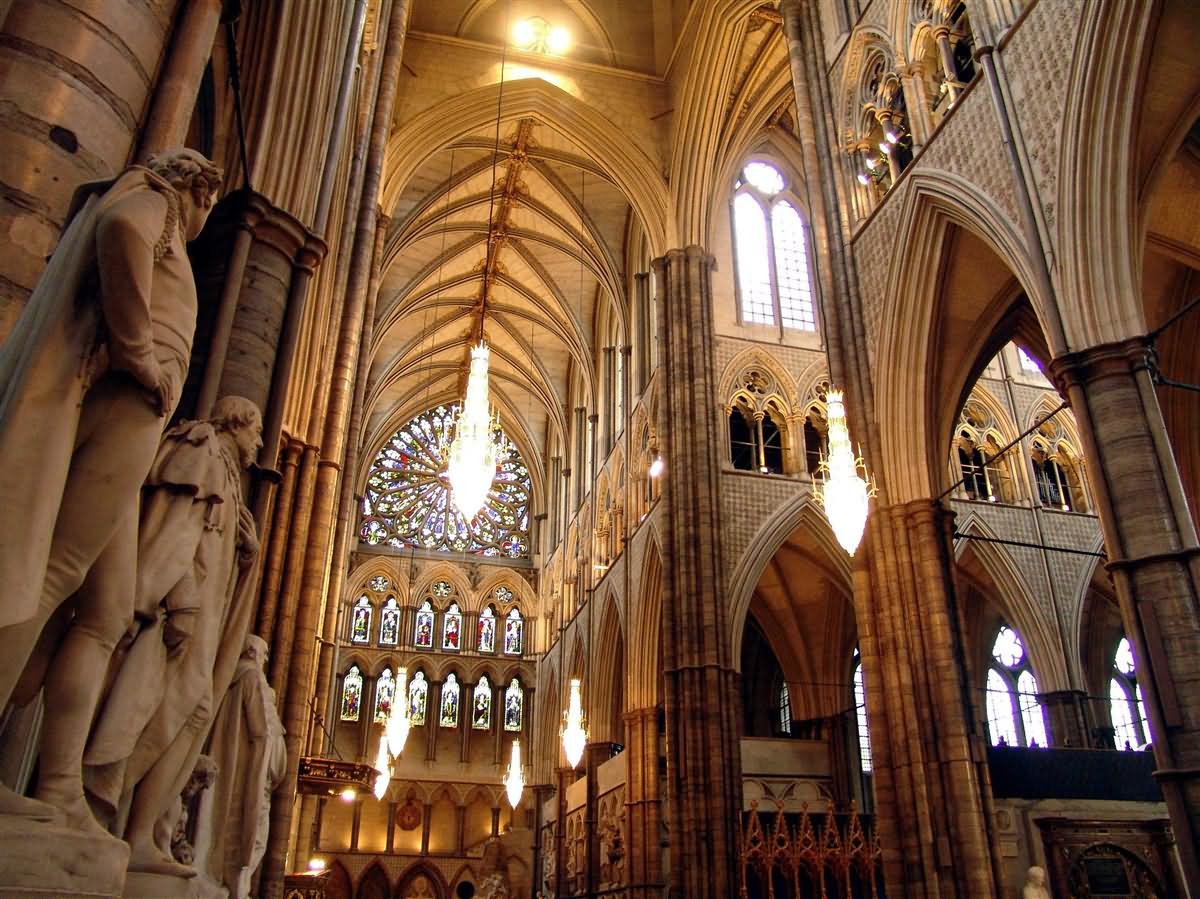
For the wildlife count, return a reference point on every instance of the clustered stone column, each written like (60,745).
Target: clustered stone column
(704,764)
(1153,556)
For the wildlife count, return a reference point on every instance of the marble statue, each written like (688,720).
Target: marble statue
(1035,884)
(193,600)
(247,744)
(494,881)
(88,378)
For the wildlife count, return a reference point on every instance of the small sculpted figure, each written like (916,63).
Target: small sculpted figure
(1035,884)
(194,597)
(88,378)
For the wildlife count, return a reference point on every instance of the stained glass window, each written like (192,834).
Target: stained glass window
(765,178)
(389,623)
(423,630)
(860,712)
(487,630)
(360,621)
(1015,716)
(503,595)
(385,689)
(785,710)
(407,497)
(514,702)
(418,694)
(481,707)
(442,589)
(452,627)
(351,694)
(450,691)
(514,629)
(1028,363)
(379,583)
(1126,708)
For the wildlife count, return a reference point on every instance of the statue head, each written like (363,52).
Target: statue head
(1035,876)
(240,419)
(255,650)
(195,178)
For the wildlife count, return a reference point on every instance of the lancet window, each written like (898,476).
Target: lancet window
(1014,714)
(1126,707)
(860,716)
(389,622)
(785,709)
(771,251)
(352,685)
(385,691)
(407,498)
(450,696)
(487,630)
(418,695)
(423,628)
(514,706)
(514,633)
(481,706)
(985,473)
(452,628)
(360,621)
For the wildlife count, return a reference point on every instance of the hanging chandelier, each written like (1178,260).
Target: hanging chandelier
(383,765)
(514,780)
(574,734)
(844,484)
(474,450)
(396,727)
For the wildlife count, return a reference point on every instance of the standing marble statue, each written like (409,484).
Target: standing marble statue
(196,542)
(88,378)
(248,747)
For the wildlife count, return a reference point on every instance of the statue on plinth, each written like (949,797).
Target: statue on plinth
(194,599)
(247,743)
(1035,884)
(88,378)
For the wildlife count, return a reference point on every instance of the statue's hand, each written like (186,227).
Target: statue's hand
(161,395)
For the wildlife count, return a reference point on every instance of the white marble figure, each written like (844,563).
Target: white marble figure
(1035,884)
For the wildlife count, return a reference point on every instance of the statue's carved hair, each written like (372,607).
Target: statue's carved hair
(186,169)
(232,412)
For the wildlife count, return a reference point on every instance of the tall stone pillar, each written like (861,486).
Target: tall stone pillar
(644,865)
(1154,560)
(703,762)
(931,787)
(75,80)
(1070,717)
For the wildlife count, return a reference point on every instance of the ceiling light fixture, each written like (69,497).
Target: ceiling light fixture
(536,35)
(574,735)
(844,486)
(514,781)
(397,726)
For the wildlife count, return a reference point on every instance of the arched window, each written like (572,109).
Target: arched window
(389,623)
(771,252)
(360,621)
(860,715)
(974,469)
(814,447)
(1053,483)
(449,713)
(423,630)
(481,707)
(1014,714)
(514,633)
(487,630)
(1126,707)
(785,709)
(772,452)
(351,694)
(743,451)
(756,440)
(452,628)
(418,694)
(407,498)
(514,706)
(385,689)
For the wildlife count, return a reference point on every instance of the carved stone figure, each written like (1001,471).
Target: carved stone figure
(196,542)
(494,881)
(247,743)
(1035,884)
(202,778)
(88,377)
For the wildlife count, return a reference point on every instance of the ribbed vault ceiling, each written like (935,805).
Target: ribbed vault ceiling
(560,227)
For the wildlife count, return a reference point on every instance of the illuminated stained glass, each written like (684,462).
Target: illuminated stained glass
(452,628)
(360,621)
(351,694)
(389,623)
(514,703)
(1031,710)
(418,695)
(379,583)
(449,714)
(423,631)
(407,497)
(860,713)
(503,595)
(481,708)
(385,690)
(514,631)
(1002,726)
(487,630)
(442,588)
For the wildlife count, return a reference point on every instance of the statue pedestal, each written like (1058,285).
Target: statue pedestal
(143,885)
(39,860)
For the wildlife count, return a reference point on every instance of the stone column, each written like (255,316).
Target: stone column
(941,34)
(1069,717)
(426,820)
(641,338)
(704,765)
(75,80)
(466,709)
(644,865)
(916,101)
(179,83)
(433,715)
(1154,560)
